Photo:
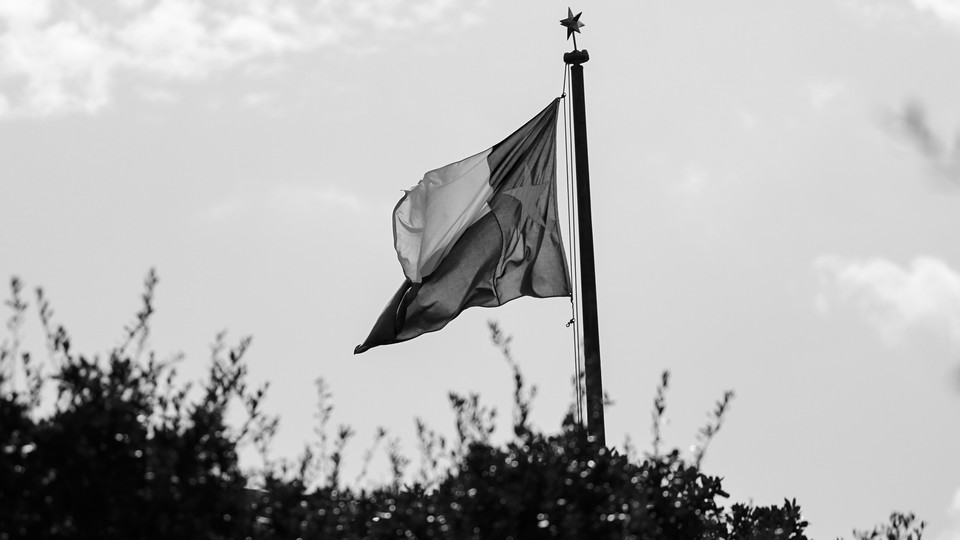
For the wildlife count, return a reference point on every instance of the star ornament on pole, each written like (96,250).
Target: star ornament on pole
(573,25)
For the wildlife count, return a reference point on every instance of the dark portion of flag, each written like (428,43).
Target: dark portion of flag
(507,248)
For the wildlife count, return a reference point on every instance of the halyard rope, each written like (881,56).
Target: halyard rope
(571,240)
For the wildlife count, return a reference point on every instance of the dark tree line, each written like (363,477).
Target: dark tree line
(117,447)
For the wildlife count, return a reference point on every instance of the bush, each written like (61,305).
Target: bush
(126,451)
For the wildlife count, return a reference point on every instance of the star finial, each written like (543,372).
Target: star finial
(572,22)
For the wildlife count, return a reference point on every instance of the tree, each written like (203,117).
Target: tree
(127,451)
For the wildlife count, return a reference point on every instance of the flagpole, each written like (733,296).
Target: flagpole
(588,273)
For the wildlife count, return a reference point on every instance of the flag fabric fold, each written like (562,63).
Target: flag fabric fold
(478,232)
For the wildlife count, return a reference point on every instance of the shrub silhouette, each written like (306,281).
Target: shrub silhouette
(118,448)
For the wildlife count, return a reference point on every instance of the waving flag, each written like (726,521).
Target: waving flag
(478,232)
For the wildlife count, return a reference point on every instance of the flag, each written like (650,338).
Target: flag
(478,232)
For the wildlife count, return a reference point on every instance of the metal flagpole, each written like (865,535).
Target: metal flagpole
(588,273)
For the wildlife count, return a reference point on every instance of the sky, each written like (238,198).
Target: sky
(776,194)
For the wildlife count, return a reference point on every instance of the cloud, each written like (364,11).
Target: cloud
(952,531)
(694,181)
(432,10)
(946,10)
(749,121)
(311,198)
(895,300)
(24,12)
(66,65)
(874,11)
(824,93)
(158,95)
(223,210)
(284,202)
(64,55)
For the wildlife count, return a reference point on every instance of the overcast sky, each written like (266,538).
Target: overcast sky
(776,194)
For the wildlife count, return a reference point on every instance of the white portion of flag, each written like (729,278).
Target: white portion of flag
(432,215)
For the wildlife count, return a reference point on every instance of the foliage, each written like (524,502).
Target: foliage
(123,453)
(127,451)
(900,527)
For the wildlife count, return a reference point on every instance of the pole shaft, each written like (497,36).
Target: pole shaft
(588,272)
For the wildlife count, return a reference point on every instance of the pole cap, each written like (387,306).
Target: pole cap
(576,57)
